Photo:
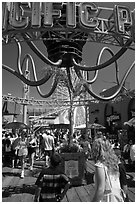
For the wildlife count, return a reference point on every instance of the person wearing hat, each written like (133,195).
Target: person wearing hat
(52,184)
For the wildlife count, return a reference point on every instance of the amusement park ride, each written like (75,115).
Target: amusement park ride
(64,28)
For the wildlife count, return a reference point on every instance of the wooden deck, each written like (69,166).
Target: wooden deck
(15,189)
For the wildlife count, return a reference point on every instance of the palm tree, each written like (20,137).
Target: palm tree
(73,92)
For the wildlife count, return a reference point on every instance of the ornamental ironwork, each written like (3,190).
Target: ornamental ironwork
(64,28)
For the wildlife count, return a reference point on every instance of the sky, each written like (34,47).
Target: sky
(12,85)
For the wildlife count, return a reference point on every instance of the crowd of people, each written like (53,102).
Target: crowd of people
(21,147)
(110,174)
(16,148)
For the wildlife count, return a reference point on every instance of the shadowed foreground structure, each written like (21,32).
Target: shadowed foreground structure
(15,189)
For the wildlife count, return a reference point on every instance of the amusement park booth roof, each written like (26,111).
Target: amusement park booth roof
(59,126)
(90,126)
(52,126)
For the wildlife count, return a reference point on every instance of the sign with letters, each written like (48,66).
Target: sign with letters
(85,15)
(112,118)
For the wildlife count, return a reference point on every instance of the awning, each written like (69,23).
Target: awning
(62,118)
(16,125)
(91,126)
(96,126)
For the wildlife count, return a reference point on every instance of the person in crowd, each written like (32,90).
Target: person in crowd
(86,148)
(107,135)
(126,151)
(32,145)
(65,137)
(22,151)
(99,134)
(37,147)
(41,148)
(14,150)
(75,139)
(48,145)
(7,149)
(132,156)
(85,145)
(60,145)
(52,184)
(3,148)
(106,172)
(122,174)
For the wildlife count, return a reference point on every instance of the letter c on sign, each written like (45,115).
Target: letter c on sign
(87,13)
(15,18)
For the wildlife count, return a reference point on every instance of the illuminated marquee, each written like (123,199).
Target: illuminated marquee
(85,16)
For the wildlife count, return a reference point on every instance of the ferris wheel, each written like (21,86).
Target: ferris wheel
(58,102)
